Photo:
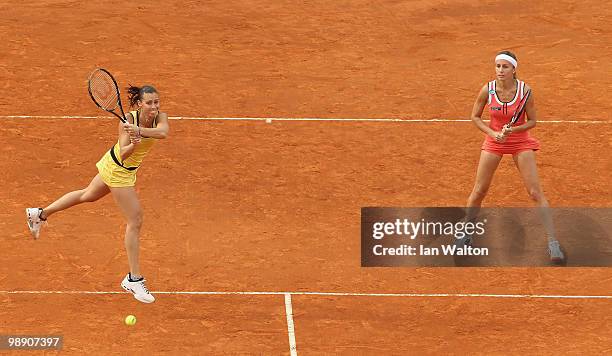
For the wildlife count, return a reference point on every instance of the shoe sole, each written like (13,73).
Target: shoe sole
(135,297)
(34,234)
(555,257)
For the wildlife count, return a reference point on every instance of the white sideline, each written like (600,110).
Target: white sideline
(333,294)
(290,326)
(554,121)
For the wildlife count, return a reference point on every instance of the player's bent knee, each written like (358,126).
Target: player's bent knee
(479,193)
(85,196)
(135,222)
(535,194)
(88,198)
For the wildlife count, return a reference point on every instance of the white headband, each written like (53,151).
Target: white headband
(506,57)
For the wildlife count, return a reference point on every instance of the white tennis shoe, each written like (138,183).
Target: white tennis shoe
(138,289)
(555,252)
(34,221)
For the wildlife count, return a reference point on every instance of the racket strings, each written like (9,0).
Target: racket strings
(103,91)
(102,95)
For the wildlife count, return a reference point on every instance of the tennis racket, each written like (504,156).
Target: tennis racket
(520,109)
(104,91)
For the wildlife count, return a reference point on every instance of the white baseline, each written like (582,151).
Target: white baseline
(554,121)
(339,294)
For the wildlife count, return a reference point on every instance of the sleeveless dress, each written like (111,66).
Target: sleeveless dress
(117,173)
(500,114)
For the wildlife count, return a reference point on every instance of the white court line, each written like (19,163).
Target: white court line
(290,326)
(338,294)
(555,121)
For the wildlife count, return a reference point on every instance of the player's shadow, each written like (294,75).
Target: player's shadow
(584,234)
(504,242)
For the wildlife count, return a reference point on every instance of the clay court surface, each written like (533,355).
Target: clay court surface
(234,207)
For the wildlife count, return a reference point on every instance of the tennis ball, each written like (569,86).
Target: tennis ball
(130,320)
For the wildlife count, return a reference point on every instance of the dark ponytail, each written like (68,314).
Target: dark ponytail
(136,93)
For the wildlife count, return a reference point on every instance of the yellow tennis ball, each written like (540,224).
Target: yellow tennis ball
(130,320)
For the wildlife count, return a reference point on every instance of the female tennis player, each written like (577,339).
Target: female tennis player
(117,175)
(503,95)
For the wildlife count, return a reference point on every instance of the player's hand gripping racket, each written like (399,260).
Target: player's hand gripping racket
(104,91)
(519,110)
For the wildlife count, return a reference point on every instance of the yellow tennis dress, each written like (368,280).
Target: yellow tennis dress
(122,173)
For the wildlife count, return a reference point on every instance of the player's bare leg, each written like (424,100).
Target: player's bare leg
(487,166)
(127,200)
(37,216)
(526,163)
(94,191)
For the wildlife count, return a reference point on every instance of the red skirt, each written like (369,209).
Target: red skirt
(510,146)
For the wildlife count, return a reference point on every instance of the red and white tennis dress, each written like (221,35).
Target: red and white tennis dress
(500,114)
